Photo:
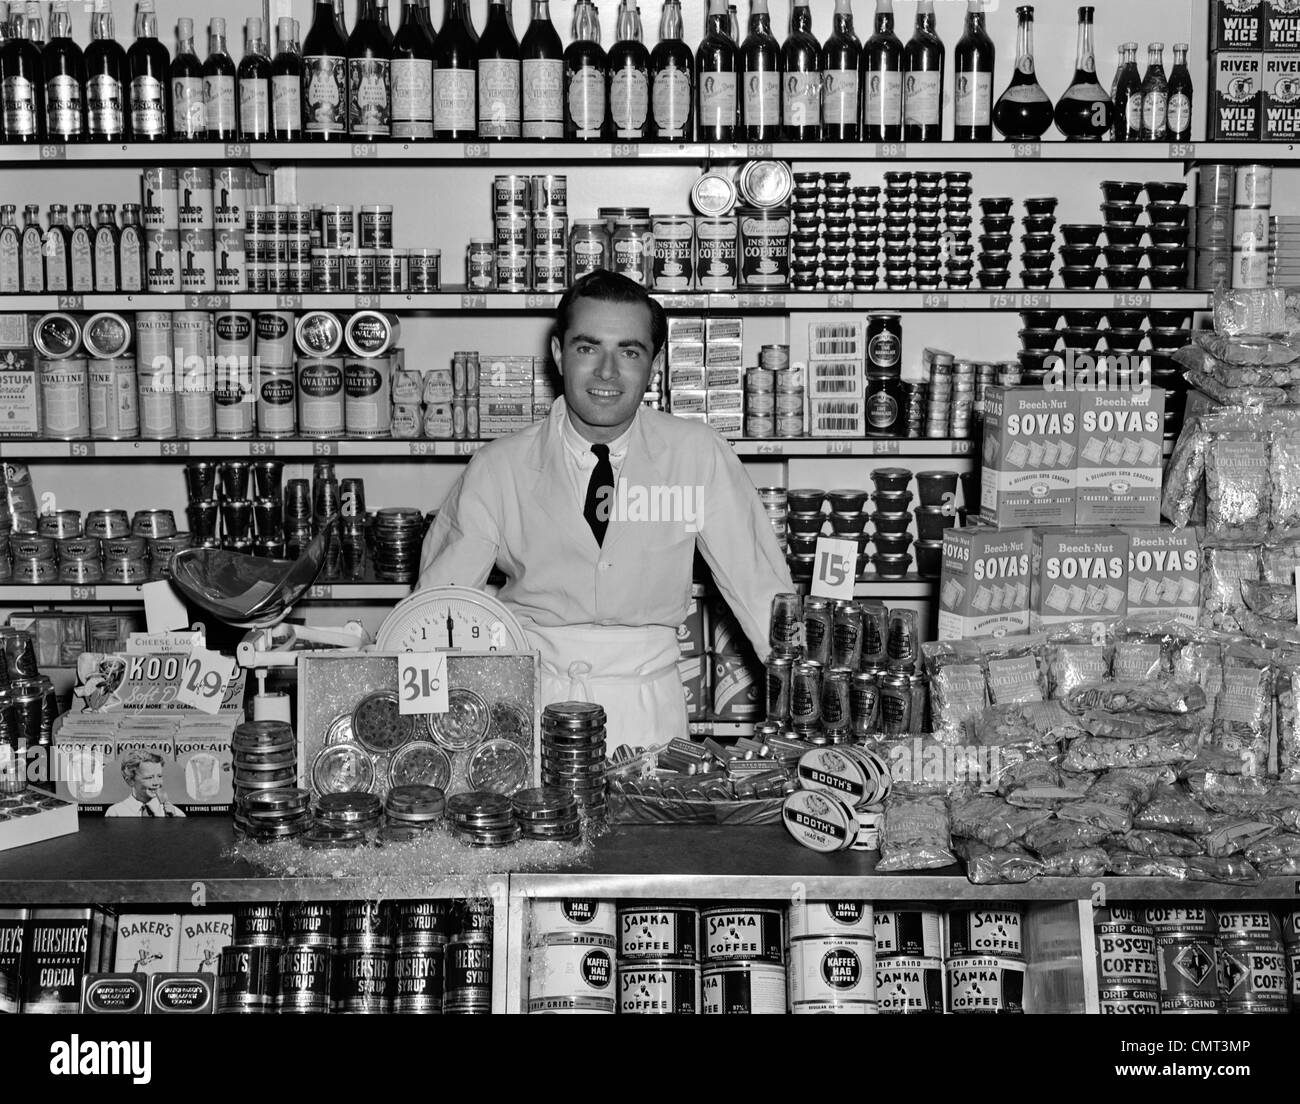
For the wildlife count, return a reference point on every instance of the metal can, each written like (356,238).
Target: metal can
(320,397)
(363,980)
(1215,185)
(907,985)
(805,697)
(844,918)
(468,985)
(375,226)
(57,336)
(765,184)
(659,933)
(337,227)
(902,643)
(274,339)
(1189,972)
(550,232)
(248,978)
(162,260)
(588,247)
(764,247)
(864,703)
(572,971)
(161,198)
(305,980)
(367,402)
(1128,969)
(836,716)
(743,934)
(390,270)
(832,968)
(480,264)
(195,210)
(549,193)
(318,333)
(230,260)
(985,983)
(65,398)
(846,635)
(359,270)
(113,399)
(743,988)
(985,932)
(884,338)
(511,195)
(658,988)
(327,270)
(713,194)
(1249,268)
(424,270)
(673,265)
(1253,975)
(418,978)
(371,333)
(513,232)
(106,335)
(512,270)
(550,270)
(780,670)
(277,401)
(1253,186)
(716,260)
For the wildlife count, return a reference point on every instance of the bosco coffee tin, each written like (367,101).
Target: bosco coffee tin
(984,932)
(673,265)
(658,989)
(574,915)
(908,933)
(320,397)
(854,918)
(764,247)
(662,933)
(1128,968)
(716,262)
(985,983)
(1184,920)
(1253,976)
(248,978)
(1258,925)
(572,972)
(65,398)
(114,399)
(367,396)
(743,989)
(1189,972)
(277,401)
(743,934)
(832,968)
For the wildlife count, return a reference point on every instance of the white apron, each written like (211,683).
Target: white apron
(631,672)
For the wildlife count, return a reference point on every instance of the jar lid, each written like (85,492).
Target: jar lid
(106,335)
(56,335)
(371,333)
(766,183)
(319,333)
(713,194)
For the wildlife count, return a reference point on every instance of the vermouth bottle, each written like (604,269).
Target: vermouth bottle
(498,76)
(64,70)
(148,62)
(841,61)
(882,71)
(1155,96)
(672,79)
(542,68)
(760,69)
(254,77)
(106,75)
(455,75)
(219,86)
(1180,97)
(130,250)
(32,246)
(386,24)
(1024,111)
(801,81)
(369,76)
(20,78)
(189,109)
(411,74)
(1083,113)
(628,92)
(715,67)
(973,77)
(325,77)
(1126,96)
(584,79)
(286,84)
(923,85)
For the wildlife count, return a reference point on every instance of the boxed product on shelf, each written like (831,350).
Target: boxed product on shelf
(725,400)
(724,354)
(835,379)
(1164,573)
(1281,95)
(59,638)
(689,377)
(842,417)
(16,330)
(203,936)
(183,993)
(147,943)
(724,379)
(44,818)
(687,400)
(1281,25)
(1120,457)
(1237,24)
(984,582)
(727,424)
(686,327)
(20,413)
(1236,96)
(57,954)
(724,328)
(1030,456)
(685,354)
(1078,575)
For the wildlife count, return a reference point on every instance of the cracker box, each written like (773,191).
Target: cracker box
(1164,573)
(688,376)
(1120,457)
(147,943)
(688,401)
(984,583)
(1237,24)
(725,400)
(19,394)
(203,936)
(1236,97)
(686,327)
(1281,111)
(1030,457)
(1078,576)
(685,354)
(1281,25)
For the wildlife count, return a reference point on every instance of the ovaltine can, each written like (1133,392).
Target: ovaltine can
(228,188)
(572,972)
(911,933)
(157,394)
(659,933)
(743,934)
(106,335)
(550,270)
(550,232)
(305,977)
(57,336)
(549,193)
(153,341)
(320,397)
(65,398)
(764,246)
(716,262)
(337,229)
(375,226)
(274,339)
(363,981)
(780,669)
(574,915)
(162,260)
(160,207)
(277,401)
(318,334)
(1250,229)
(743,989)
(198,250)
(1254,186)
(248,978)
(327,270)
(367,396)
(673,266)
(833,968)
(370,333)
(231,260)
(985,983)
(511,195)
(418,978)
(232,334)
(114,399)
(512,270)
(658,989)
(195,210)
(236,402)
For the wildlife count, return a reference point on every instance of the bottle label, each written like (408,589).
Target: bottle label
(20,105)
(840,97)
(882,410)
(254,108)
(1154,111)
(63,106)
(83,265)
(453,99)
(1025,94)
(105,260)
(717,100)
(974,102)
(286,104)
(412,88)
(32,253)
(498,98)
(587,101)
(1133,113)
(803,99)
(324,93)
(1180,112)
(543,98)
(103,105)
(629,102)
(885,98)
(189,112)
(148,113)
(763,98)
(55,250)
(219,95)
(10,282)
(129,256)
(368,96)
(921,107)
(671,101)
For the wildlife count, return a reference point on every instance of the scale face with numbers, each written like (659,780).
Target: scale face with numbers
(451,617)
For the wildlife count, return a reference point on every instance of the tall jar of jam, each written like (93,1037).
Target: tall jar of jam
(886,405)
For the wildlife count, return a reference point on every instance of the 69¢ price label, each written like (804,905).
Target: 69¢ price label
(203,683)
(422,683)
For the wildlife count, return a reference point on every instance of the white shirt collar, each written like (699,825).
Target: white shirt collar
(580,447)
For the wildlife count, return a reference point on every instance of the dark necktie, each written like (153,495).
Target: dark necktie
(148,811)
(600,494)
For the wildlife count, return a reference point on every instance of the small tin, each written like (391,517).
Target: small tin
(359,270)
(337,227)
(248,978)
(985,983)
(549,193)
(765,184)
(511,194)
(424,270)
(832,968)
(327,270)
(743,934)
(375,226)
(909,984)
(114,399)
(743,988)
(318,333)
(550,232)
(418,977)
(480,264)
(550,270)
(1189,972)
(512,270)
(713,194)
(658,988)
(65,398)
(390,270)
(661,933)
(909,933)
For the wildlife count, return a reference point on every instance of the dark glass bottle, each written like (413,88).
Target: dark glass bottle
(973,79)
(385,23)
(81,250)
(219,86)
(1155,96)
(11,265)
(455,75)
(760,69)
(130,250)
(498,76)
(882,79)
(923,85)
(584,79)
(148,64)
(628,89)
(105,248)
(185,78)
(672,80)
(411,74)
(254,83)
(106,75)
(841,61)
(286,84)
(32,245)
(54,248)
(1084,111)
(1180,97)
(1023,112)
(325,77)
(1126,96)
(715,67)
(369,58)
(542,75)
(801,80)
(21,80)
(64,70)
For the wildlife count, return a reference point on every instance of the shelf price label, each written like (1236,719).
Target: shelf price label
(324,448)
(82,594)
(54,153)
(476,151)
(763,301)
(361,150)
(207,301)
(72,302)
(886,448)
(891,151)
(963,448)
(422,682)
(626,150)
(934,300)
(365,302)
(288,302)
(1132,300)
(423,448)
(535,301)
(203,683)
(1003,300)
(175,448)
(466,448)
(238,151)
(1035,300)
(81,450)
(1027,151)
(771,448)
(321,592)
(834,573)
(839,448)
(261,448)
(760,150)
(840,300)
(473,301)
(1182,151)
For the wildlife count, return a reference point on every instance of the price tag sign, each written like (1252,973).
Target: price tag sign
(54,153)
(364,150)
(1027,150)
(238,151)
(840,300)
(758,150)
(625,150)
(71,302)
(422,682)
(476,151)
(203,685)
(835,568)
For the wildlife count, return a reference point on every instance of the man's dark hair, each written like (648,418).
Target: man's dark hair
(610,287)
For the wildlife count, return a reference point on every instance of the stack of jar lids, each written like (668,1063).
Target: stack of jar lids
(265,757)
(342,819)
(399,531)
(573,752)
(483,819)
(411,811)
(547,813)
(267,815)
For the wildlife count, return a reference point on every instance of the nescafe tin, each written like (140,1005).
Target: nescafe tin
(765,247)
(511,194)
(662,933)
(658,989)
(65,398)
(248,978)
(550,270)
(673,266)
(424,270)
(327,270)
(732,934)
(390,267)
(367,396)
(468,984)
(985,932)
(114,399)
(337,227)
(985,983)
(743,988)
(318,334)
(277,402)
(305,980)
(375,226)
(716,260)
(56,336)
(549,193)
(418,978)
(320,397)
(359,270)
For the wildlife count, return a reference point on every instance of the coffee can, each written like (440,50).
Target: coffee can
(159,209)
(320,396)
(230,260)
(424,270)
(549,193)
(198,261)
(195,210)
(162,260)
(510,194)
(1253,186)
(375,226)
(114,399)
(228,189)
(337,227)
(277,402)
(367,401)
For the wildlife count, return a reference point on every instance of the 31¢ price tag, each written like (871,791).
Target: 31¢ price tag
(835,568)
(203,684)
(422,682)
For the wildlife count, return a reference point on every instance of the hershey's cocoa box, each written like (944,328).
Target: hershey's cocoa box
(1281,25)
(1237,24)
(1164,573)
(1236,98)
(1281,90)
(147,943)
(984,582)
(1030,457)
(1121,458)
(1078,576)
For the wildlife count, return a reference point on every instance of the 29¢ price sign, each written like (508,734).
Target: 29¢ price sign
(422,683)
(834,568)
(203,682)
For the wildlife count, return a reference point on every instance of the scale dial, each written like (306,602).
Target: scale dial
(451,618)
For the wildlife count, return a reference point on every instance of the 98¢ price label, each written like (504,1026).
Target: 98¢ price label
(422,683)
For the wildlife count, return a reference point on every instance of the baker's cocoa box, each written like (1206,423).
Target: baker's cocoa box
(1236,98)
(147,943)
(1078,576)
(1237,24)
(1281,90)
(1121,459)
(1030,457)
(1164,573)
(984,582)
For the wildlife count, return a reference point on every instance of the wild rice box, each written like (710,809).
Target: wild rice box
(984,585)
(1078,576)
(1236,97)
(1237,24)
(1281,25)
(1030,457)
(1164,573)
(1120,458)
(1281,97)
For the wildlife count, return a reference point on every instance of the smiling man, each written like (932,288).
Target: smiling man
(594,515)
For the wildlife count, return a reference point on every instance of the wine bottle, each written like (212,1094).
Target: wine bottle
(715,66)
(801,66)
(628,90)
(498,76)
(760,69)
(130,250)
(1084,112)
(64,70)
(219,86)
(1126,95)
(325,77)
(369,76)
(455,75)
(1155,96)
(1179,111)
(21,79)
(411,74)
(1023,112)
(147,63)
(286,84)
(841,60)
(104,243)
(81,251)
(584,79)
(542,69)
(254,80)
(672,79)
(106,74)
(973,77)
(882,78)
(185,77)
(923,85)
(385,24)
